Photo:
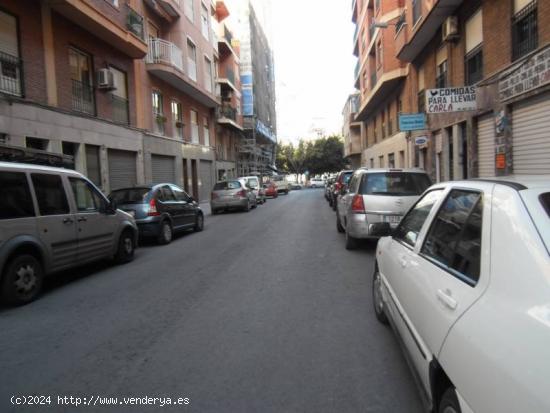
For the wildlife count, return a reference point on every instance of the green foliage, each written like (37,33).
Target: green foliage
(324,155)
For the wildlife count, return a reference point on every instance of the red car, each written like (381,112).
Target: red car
(271,190)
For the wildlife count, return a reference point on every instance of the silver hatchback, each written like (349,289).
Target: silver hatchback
(53,219)
(375,198)
(232,194)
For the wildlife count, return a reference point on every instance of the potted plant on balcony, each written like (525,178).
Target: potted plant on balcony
(161,119)
(180,124)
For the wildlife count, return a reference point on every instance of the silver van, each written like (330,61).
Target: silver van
(52,219)
(375,198)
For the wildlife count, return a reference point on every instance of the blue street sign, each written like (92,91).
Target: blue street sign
(412,121)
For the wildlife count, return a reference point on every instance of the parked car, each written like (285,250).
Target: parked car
(160,210)
(376,196)
(316,183)
(464,281)
(232,194)
(254,183)
(340,182)
(270,190)
(280,181)
(53,219)
(328,188)
(295,186)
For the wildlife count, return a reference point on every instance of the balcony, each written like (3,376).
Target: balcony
(227,115)
(424,27)
(122,28)
(380,90)
(357,75)
(11,75)
(168,10)
(165,61)
(225,37)
(227,84)
(82,98)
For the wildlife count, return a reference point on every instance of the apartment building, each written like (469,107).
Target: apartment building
(127,89)
(499,47)
(229,131)
(351,132)
(383,82)
(257,149)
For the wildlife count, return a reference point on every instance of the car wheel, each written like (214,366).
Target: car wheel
(165,236)
(339,226)
(351,243)
(377,300)
(199,223)
(22,280)
(449,402)
(125,251)
(247,207)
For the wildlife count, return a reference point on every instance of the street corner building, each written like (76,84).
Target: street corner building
(474,75)
(126,92)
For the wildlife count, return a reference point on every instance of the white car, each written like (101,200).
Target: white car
(316,183)
(465,281)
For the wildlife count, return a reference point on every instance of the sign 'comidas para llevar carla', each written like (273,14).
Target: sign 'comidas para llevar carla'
(452,99)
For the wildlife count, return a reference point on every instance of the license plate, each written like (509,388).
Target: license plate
(392,219)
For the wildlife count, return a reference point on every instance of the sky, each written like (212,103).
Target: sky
(314,65)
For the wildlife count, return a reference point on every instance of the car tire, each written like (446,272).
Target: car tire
(339,226)
(166,233)
(247,207)
(351,243)
(449,402)
(126,248)
(377,300)
(22,280)
(199,223)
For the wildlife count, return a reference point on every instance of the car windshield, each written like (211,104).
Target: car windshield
(130,196)
(347,177)
(394,183)
(223,186)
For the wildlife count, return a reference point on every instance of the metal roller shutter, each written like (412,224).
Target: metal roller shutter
(486,146)
(531,136)
(122,169)
(163,169)
(205,179)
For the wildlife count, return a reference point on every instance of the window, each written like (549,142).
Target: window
(381,161)
(394,183)
(441,75)
(207,74)
(188,9)
(383,125)
(93,171)
(16,201)
(417,10)
(119,95)
(158,114)
(474,49)
(165,194)
(194,127)
(422,101)
(411,224)
(36,143)
(545,201)
(86,198)
(179,194)
(177,118)
(81,82)
(206,127)
(524,28)
(391,160)
(454,239)
(191,60)
(10,64)
(50,194)
(204,21)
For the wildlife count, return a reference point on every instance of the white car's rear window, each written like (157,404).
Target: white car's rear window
(537,202)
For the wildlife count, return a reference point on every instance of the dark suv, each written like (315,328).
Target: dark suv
(340,182)
(160,210)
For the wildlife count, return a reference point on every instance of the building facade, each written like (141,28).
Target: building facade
(500,48)
(351,132)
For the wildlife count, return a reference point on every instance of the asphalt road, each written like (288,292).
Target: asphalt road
(262,312)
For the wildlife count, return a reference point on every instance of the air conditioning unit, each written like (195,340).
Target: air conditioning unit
(449,29)
(105,79)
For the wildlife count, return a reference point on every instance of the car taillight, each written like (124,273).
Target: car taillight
(241,194)
(153,208)
(357,204)
(337,186)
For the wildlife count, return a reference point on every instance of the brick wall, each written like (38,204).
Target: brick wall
(30,46)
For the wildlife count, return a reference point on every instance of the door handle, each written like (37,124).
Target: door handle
(402,261)
(81,219)
(446,298)
(68,221)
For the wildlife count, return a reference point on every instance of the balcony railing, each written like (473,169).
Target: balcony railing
(373,80)
(121,110)
(11,74)
(356,71)
(229,75)
(227,112)
(83,97)
(134,23)
(164,52)
(227,35)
